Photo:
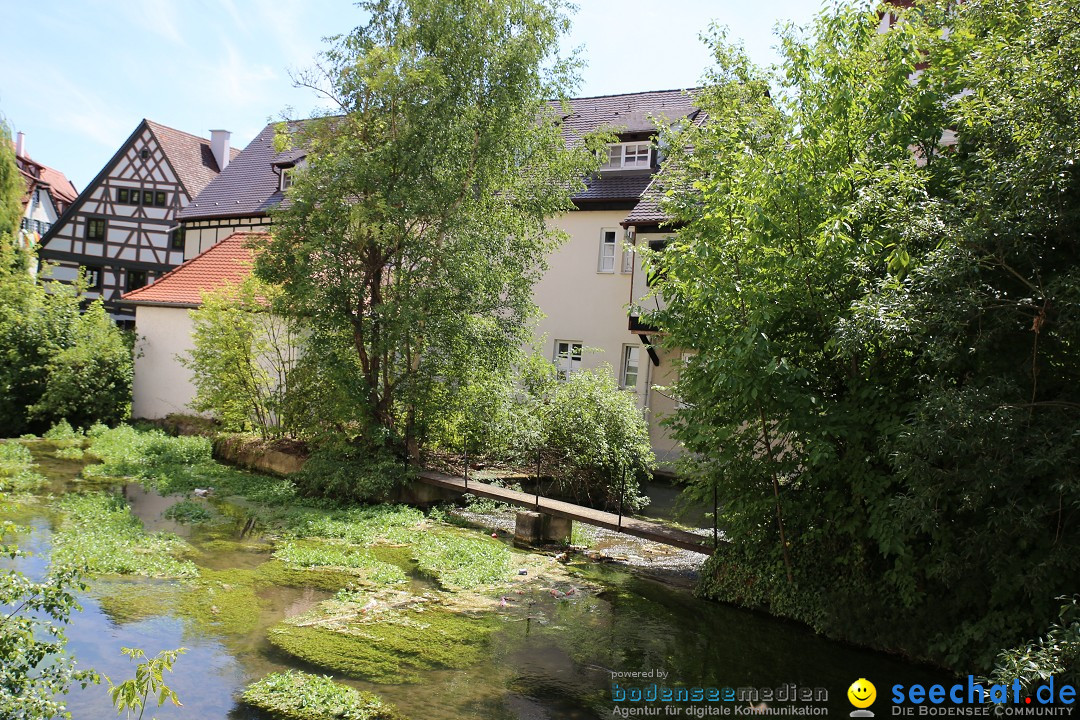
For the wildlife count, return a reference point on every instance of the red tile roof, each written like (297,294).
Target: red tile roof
(227,262)
(58,185)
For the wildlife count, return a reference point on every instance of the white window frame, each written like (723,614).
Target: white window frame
(286,178)
(637,155)
(627,259)
(605,261)
(628,351)
(567,358)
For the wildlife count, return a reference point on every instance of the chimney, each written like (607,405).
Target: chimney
(20,145)
(219,145)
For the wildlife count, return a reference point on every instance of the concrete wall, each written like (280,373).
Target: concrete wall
(161,385)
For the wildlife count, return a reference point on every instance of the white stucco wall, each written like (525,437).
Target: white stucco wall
(161,385)
(583,305)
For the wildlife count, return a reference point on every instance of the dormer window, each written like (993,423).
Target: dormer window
(628,156)
(287,177)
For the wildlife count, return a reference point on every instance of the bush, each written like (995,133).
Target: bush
(57,363)
(351,474)
(594,436)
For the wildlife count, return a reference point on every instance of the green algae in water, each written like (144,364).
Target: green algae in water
(188,511)
(314,553)
(392,652)
(366,525)
(295,695)
(99,532)
(134,602)
(222,601)
(280,573)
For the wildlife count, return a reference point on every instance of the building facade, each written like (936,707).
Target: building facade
(121,230)
(48,195)
(585,293)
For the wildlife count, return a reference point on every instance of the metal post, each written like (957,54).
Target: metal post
(465,441)
(622,494)
(537,478)
(715,533)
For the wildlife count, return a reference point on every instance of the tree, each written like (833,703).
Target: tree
(417,226)
(884,377)
(12,189)
(242,359)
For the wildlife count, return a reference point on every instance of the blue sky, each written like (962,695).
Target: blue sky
(77,76)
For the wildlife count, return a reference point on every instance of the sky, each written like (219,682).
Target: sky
(77,76)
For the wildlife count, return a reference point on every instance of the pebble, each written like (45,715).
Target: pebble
(523,571)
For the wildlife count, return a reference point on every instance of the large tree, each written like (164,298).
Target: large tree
(416,226)
(886,383)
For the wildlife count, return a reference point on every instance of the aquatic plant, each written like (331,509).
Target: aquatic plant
(461,562)
(62,435)
(99,532)
(391,652)
(69,453)
(308,553)
(363,525)
(295,695)
(178,465)
(283,574)
(222,601)
(187,511)
(16,463)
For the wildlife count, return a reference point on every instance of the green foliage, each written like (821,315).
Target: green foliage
(595,439)
(883,382)
(62,435)
(295,695)
(99,532)
(188,511)
(36,671)
(350,473)
(131,695)
(57,362)
(462,562)
(242,359)
(417,227)
(12,189)
(1056,654)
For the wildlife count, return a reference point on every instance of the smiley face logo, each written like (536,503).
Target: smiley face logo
(862,693)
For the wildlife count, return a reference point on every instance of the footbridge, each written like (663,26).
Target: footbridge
(654,531)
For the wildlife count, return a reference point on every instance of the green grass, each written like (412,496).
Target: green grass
(99,532)
(62,435)
(69,453)
(295,695)
(462,562)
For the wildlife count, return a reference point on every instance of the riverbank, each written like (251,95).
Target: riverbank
(442,621)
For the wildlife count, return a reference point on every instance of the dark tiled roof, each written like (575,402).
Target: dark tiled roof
(189,155)
(249,186)
(613,186)
(629,113)
(227,262)
(647,211)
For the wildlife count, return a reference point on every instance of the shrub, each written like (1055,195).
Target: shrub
(352,474)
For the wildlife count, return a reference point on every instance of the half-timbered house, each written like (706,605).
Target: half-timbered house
(122,229)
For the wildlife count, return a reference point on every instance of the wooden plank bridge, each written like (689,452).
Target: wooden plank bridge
(656,532)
